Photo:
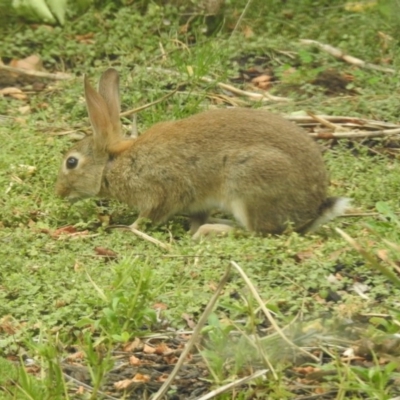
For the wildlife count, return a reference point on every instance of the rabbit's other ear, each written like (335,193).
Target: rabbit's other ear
(103,130)
(109,90)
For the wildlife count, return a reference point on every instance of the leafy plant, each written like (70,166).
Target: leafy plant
(127,311)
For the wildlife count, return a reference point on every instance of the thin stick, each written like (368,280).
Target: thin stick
(164,388)
(89,388)
(323,121)
(339,54)
(239,21)
(268,313)
(342,119)
(355,134)
(153,103)
(150,239)
(252,95)
(60,76)
(231,385)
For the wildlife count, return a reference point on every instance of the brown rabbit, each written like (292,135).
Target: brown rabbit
(259,167)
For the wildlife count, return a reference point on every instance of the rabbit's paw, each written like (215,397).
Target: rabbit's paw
(211,230)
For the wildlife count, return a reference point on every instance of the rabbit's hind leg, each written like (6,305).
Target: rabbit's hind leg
(211,230)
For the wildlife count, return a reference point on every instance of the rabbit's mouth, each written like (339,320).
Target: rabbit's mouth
(73,199)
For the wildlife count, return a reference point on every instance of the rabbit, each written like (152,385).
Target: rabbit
(264,170)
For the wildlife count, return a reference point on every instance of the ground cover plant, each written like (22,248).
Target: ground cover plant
(90,311)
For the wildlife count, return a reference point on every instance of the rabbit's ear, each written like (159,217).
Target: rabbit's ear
(103,129)
(109,90)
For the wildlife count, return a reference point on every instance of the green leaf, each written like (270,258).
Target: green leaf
(36,10)
(58,7)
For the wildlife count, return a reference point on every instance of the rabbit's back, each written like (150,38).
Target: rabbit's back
(252,163)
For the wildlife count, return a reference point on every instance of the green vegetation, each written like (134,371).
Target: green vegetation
(89,289)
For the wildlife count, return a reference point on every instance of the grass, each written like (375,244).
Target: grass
(61,293)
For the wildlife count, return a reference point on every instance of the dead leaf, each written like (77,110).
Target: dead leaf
(123,385)
(65,231)
(261,79)
(107,253)
(14,92)
(305,370)
(162,348)
(303,255)
(160,306)
(134,360)
(141,378)
(8,325)
(33,63)
(171,359)
(77,267)
(80,390)
(77,356)
(162,378)
(136,344)
(148,349)
(24,109)
(189,320)
(382,254)
(247,32)
(86,38)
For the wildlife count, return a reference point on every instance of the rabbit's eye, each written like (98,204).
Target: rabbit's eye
(72,162)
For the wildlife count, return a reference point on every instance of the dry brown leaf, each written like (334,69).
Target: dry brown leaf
(159,306)
(247,32)
(162,378)
(171,359)
(77,267)
(14,92)
(189,320)
(141,378)
(107,253)
(65,231)
(86,38)
(24,109)
(303,255)
(162,348)
(148,349)
(305,370)
(136,344)
(134,360)
(124,384)
(80,390)
(33,63)
(79,355)
(261,79)
(382,254)
(8,325)
(32,369)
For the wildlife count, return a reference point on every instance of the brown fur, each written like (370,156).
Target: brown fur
(263,169)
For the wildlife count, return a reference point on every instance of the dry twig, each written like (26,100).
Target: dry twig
(339,54)
(231,385)
(149,238)
(196,333)
(29,73)
(251,95)
(268,313)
